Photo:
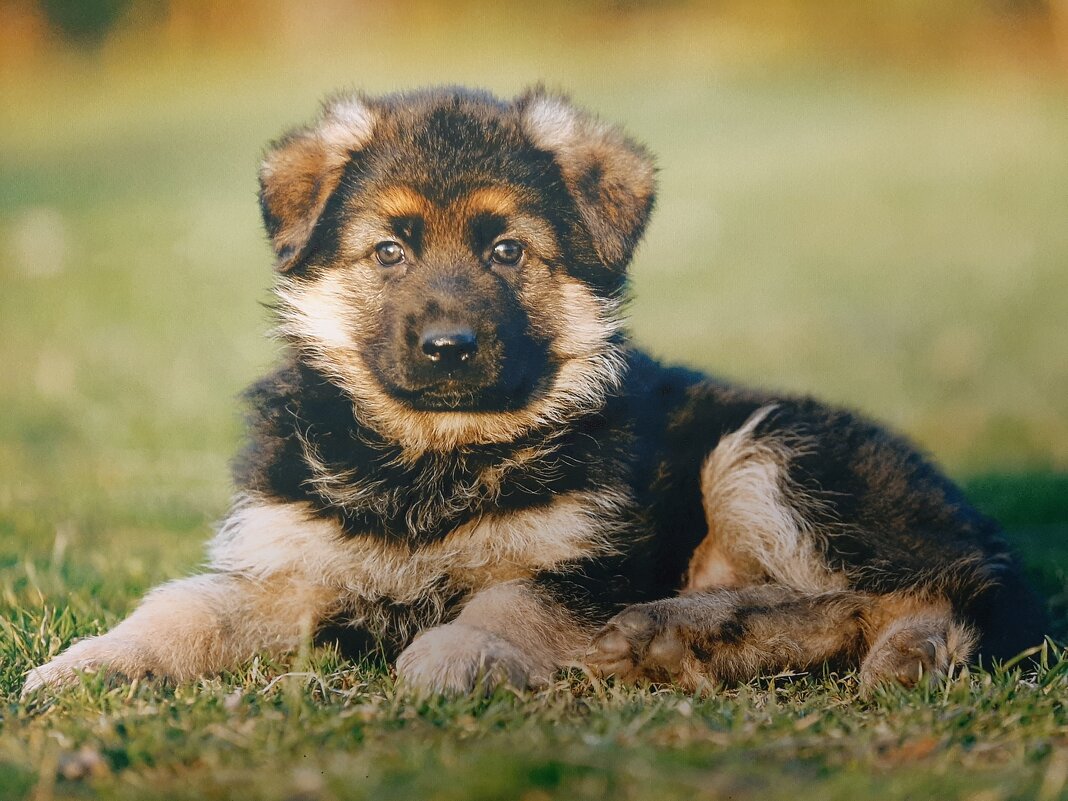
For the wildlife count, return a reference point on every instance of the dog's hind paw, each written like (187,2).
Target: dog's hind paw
(645,643)
(916,651)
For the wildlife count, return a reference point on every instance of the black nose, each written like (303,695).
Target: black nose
(449,347)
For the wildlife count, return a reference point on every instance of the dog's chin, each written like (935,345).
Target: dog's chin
(452,396)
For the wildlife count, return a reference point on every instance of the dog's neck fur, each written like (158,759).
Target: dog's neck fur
(308,444)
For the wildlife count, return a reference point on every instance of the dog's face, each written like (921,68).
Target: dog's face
(456,263)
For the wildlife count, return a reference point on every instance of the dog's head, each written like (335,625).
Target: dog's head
(456,263)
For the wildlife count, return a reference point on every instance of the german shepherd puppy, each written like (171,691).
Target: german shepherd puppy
(462,461)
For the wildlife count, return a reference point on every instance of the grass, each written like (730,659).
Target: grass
(328,733)
(892,238)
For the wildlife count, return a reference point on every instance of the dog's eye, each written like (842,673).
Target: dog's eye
(389,254)
(507,252)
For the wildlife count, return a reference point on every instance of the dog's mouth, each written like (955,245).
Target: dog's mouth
(450,395)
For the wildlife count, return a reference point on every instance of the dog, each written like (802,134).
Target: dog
(463,462)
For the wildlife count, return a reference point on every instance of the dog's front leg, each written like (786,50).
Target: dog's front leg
(517,633)
(194,626)
(265,594)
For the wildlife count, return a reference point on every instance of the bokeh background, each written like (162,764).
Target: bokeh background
(867,201)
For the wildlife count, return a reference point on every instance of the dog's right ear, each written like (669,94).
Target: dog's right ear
(301,171)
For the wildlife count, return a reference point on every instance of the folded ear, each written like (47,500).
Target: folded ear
(610,176)
(301,171)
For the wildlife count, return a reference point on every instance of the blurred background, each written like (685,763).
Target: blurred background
(867,201)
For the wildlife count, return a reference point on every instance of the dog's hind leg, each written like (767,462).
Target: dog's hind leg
(704,639)
(828,541)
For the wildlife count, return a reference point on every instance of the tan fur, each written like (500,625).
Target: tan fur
(315,311)
(703,639)
(700,640)
(919,640)
(886,609)
(553,123)
(757,529)
(499,200)
(281,570)
(367,221)
(347,125)
(399,201)
(262,539)
(758,595)
(712,568)
(584,320)
(329,315)
(198,625)
(508,633)
(757,533)
(458,658)
(519,611)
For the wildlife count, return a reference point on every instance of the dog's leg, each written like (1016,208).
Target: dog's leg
(194,626)
(265,595)
(726,636)
(817,551)
(513,633)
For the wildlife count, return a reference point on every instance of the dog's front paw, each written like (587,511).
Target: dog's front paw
(112,655)
(457,659)
(647,643)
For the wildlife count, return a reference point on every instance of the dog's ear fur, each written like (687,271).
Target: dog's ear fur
(610,176)
(301,170)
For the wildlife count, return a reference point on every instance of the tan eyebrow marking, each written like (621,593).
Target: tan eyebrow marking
(493,199)
(402,201)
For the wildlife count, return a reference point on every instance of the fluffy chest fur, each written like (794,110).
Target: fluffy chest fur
(307,447)
(391,586)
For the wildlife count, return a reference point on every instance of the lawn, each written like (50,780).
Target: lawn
(890,236)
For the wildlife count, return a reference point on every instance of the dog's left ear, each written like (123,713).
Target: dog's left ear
(300,172)
(610,176)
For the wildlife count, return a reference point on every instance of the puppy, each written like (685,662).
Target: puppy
(462,461)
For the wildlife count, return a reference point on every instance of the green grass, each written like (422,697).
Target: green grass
(888,238)
(346,734)
(318,728)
